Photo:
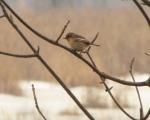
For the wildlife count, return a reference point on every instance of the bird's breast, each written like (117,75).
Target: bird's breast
(77,45)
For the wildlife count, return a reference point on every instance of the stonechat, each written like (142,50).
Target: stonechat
(78,42)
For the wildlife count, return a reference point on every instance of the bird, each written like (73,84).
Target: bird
(77,42)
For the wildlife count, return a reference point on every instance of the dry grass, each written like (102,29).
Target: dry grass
(123,34)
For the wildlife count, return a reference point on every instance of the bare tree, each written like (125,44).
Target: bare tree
(103,76)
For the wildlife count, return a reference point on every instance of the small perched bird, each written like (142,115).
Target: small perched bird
(78,42)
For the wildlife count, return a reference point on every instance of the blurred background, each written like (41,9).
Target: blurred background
(124,34)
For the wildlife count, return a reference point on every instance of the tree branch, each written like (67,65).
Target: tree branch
(108,77)
(147,115)
(36,103)
(142,11)
(147,54)
(48,67)
(146,2)
(95,38)
(137,90)
(17,55)
(102,75)
(62,32)
(109,91)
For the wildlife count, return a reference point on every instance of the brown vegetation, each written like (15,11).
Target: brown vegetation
(123,35)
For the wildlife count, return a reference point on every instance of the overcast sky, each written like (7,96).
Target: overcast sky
(46,4)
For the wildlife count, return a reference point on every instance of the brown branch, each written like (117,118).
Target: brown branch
(36,103)
(101,74)
(137,90)
(113,98)
(88,54)
(48,67)
(109,77)
(147,115)
(63,30)
(95,38)
(146,2)
(142,11)
(19,56)
(147,54)
(109,90)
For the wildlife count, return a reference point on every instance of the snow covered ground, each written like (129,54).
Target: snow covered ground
(57,105)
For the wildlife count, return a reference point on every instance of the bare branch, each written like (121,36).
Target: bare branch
(101,74)
(91,59)
(95,38)
(109,89)
(148,81)
(147,115)
(113,98)
(36,103)
(137,90)
(63,30)
(109,77)
(147,54)
(142,11)
(48,67)
(17,55)
(146,2)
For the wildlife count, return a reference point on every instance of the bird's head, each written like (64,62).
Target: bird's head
(69,35)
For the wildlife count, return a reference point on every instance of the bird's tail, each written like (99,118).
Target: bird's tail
(94,44)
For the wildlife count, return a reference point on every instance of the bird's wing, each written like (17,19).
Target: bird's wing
(83,40)
(78,36)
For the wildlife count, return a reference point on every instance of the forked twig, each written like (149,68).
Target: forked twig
(36,103)
(101,74)
(62,32)
(137,90)
(108,90)
(47,66)
(109,77)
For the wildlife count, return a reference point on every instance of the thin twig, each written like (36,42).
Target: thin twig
(95,38)
(88,54)
(113,98)
(146,2)
(147,54)
(109,90)
(109,77)
(17,55)
(62,32)
(36,103)
(142,11)
(55,75)
(48,67)
(137,90)
(147,115)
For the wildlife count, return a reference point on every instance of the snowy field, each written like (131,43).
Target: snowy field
(57,105)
